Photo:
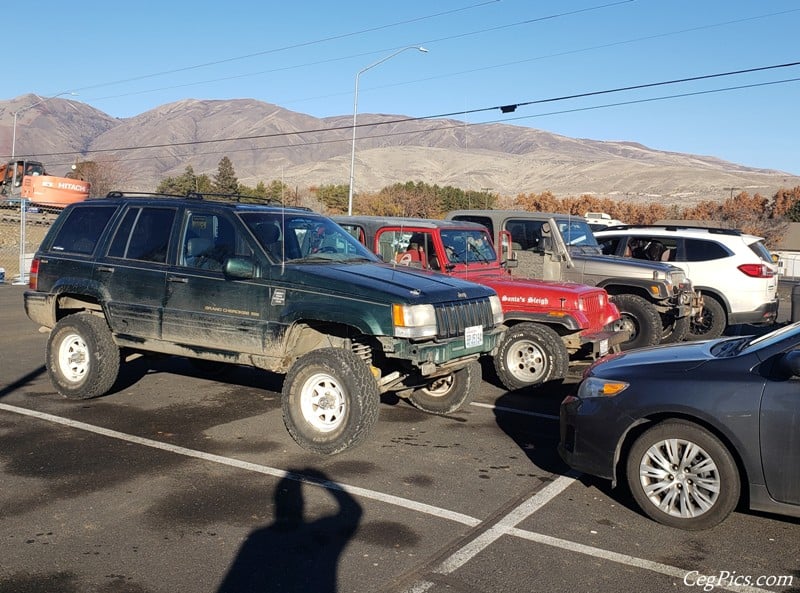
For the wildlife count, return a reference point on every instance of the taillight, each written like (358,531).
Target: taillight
(33,276)
(757,270)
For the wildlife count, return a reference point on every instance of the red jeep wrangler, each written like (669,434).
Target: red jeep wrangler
(551,324)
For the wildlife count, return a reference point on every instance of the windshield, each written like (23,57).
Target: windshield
(577,232)
(468,246)
(304,237)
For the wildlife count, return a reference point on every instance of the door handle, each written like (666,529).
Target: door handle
(179,279)
(108,269)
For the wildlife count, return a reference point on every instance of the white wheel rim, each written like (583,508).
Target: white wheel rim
(323,402)
(680,478)
(526,361)
(73,358)
(440,387)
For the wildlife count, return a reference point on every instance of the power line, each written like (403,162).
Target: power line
(293,46)
(504,108)
(342,58)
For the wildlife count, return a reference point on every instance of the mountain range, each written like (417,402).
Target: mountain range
(266,142)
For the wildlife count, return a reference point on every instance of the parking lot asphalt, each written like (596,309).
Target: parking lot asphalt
(175,482)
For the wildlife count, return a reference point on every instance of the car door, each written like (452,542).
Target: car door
(203,307)
(134,268)
(780,439)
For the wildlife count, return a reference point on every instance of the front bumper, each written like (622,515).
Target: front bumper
(589,433)
(603,342)
(434,356)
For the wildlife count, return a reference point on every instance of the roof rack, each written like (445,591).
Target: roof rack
(193,195)
(675,227)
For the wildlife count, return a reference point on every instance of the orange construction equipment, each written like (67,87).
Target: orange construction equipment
(30,181)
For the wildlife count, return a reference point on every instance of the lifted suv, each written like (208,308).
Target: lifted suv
(286,290)
(549,322)
(655,299)
(734,271)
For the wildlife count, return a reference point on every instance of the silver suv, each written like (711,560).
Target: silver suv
(734,271)
(655,299)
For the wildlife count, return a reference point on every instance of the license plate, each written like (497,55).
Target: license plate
(603,347)
(473,336)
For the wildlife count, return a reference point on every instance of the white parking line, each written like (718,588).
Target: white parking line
(506,526)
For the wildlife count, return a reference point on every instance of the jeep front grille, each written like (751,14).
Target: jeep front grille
(452,318)
(592,304)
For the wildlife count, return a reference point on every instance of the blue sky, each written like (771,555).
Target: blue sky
(304,56)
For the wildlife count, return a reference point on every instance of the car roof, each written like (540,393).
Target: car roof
(395,221)
(233,201)
(671,229)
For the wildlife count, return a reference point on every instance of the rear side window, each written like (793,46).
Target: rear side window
(82,229)
(143,235)
(701,250)
(761,251)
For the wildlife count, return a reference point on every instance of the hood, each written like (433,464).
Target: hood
(382,282)
(678,357)
(593,254)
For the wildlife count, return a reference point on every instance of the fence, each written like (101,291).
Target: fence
(21,231)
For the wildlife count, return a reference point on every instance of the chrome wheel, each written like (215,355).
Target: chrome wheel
(527,362)
(680,478)
(323,402)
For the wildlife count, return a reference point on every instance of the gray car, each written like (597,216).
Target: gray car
(694,428)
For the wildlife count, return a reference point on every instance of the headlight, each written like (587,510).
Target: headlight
(595,387)
(414,321)
(497,309)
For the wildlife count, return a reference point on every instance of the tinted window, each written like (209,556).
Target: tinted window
(701,250)
(484,220)
(761,251)
(82,229)
(525,234)
(209,239)
(610,245)
(144,235)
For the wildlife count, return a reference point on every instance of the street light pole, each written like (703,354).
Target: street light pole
(23,276)
(355,113)
(18,111)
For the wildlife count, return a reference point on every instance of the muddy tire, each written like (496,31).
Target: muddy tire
(448,394)
(82,358)
(530,355)
(330,401)
(683,476)
(712,322)
(640,317)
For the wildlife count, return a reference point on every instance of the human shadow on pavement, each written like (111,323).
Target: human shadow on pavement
(293,555)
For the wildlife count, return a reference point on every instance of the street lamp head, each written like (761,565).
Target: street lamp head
(422,49)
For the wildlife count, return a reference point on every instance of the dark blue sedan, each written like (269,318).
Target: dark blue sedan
(694,428)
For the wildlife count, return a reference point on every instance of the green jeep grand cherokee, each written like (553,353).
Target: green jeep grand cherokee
(282,289)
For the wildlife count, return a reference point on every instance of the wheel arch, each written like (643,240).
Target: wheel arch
(641,425)
(716,295)
(613,287)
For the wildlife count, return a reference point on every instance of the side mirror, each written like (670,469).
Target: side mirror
(789,364)
(239,268)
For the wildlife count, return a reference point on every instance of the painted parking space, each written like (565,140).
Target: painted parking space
(174,482)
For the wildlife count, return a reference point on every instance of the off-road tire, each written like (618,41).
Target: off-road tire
(641,318)
(712,323)
(530,355)
(674,329)
(448,394)
(683,476)
(81,356)
(330,400)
